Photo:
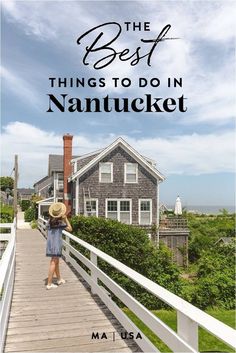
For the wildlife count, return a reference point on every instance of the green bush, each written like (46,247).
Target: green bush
(25,204)
(6,183)
(131,246)
(205,231)
(6,213)
(34,224)
(216,278)
(30,214)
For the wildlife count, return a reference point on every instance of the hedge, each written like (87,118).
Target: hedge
(25,204)
(131,246)
(6,213)
(30,214)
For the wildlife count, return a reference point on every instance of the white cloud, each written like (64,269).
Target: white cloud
(199,25)
(47,20)
(193,154)
(189,154)
(20,87)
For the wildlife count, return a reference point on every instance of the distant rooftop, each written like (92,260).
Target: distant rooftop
(25,191)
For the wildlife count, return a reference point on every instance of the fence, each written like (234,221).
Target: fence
(173,223)
(189,318)
(7,274)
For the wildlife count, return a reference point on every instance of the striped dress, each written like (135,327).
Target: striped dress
(54,240)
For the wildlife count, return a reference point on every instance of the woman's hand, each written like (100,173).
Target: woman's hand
(68,228)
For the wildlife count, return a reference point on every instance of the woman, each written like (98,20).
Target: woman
(56,224)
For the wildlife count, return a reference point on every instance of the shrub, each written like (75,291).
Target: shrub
(6,183)
(34,224)
(6,213)
(131,246)
(25,204)
(216,276)
(30,214)
(205,231)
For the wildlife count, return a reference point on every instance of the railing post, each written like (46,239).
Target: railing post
(93,259)
(187,329)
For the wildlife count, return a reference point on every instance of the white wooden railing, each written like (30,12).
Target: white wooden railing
(189,318)
(7,273)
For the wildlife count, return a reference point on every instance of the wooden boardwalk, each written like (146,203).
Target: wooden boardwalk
(58,320)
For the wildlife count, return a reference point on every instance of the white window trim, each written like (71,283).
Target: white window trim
(57,181)
(86,199)
(139,211)
(106,182)
(118,208)
(77,196)
(125,169)
(74,167)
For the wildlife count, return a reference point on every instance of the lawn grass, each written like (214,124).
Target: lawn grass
(207,342)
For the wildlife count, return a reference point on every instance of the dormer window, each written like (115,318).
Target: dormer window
(131,173)
(106,172)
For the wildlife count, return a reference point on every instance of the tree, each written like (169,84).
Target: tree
(6,183)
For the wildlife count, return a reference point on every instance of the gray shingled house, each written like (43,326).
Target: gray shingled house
(52,184)
(115,182)
(25,193)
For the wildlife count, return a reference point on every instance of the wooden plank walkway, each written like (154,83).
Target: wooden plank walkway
(58,320)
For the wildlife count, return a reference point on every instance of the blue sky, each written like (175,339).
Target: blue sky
(194,150)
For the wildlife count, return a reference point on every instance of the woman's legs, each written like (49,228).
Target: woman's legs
(57,270)
(52,267)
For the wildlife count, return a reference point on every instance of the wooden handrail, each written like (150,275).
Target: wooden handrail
(189,317)
(7,274)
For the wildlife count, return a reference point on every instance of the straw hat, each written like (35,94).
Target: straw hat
(57,210)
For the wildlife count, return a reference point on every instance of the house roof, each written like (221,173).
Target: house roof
(55,163)
(165,208)
(74,159)
(25,191)
(119,142)
(41,180)
(225,240)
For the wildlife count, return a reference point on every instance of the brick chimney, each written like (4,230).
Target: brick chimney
(67,156)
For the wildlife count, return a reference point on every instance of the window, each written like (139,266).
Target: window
(60,181)
(119,209)
(91,207)
(125,212)
(106,172)
(145,212)
(112,209)
(131,172)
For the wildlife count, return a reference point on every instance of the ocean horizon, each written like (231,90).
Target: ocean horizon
(206,208)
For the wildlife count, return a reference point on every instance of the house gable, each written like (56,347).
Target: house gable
(118,157)
(130,151)
(145,188)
